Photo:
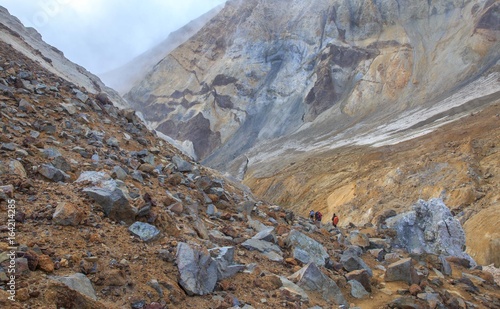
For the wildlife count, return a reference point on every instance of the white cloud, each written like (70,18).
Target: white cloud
(103,34)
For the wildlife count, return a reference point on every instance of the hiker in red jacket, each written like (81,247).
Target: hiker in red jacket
(335,220)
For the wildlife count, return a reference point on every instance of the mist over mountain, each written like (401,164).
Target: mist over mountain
(125,77)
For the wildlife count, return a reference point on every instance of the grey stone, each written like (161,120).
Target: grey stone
(352,262)
(16,168)
(273,256)
(61,163)
(80,95)
(8,146)
(52,173)
(311,278)
(430,228)
(182,165)
(197,270)
(71,109)
(113,200)
(293,289)
(51,153)
(113,142)
(357,289)
(80,283)
(402,270)
(25,106)
(93,177)
(119,173)
(146,232)
(306,248)
(267,234)
(224,257)
(261,246)
(255,224)
(211,210)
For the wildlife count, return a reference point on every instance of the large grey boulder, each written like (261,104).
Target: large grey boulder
(197,270)
(306,249)
(430,228)
(114,201)
(310,278)
(80,283)
(224,257)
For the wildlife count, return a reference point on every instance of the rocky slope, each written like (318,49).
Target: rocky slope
(349,107)
(98,212)
(125,77)
(29,42)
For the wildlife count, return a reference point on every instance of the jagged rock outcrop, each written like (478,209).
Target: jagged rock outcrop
(430,228)
(332,69)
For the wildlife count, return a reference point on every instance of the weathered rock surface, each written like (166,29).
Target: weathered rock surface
(430,228)
(80,283)
(113,200)
(311,278)
(198,271)
(146,232)
(306,249)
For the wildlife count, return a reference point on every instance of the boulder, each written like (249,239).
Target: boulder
(113,200)
(402,270)
(78,282)
(224,257)
(310,278)
(16,168)
(182,165)
(67,214)
(197,270)
(146,232)
(357,289)
(294,289)
(430,228)
(351,261)
(50,172)
(306,249)
(261,246)
(361,276)
(267,234)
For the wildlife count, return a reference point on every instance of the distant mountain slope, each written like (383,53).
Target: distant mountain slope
(125,77)
(29,42)
(265,76)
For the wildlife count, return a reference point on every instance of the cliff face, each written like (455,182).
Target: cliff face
(331,70)
(29,42)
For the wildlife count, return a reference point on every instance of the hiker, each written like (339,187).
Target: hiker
(311,215)
(335,220)
(319,216)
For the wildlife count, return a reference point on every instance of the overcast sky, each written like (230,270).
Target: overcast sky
(101,35)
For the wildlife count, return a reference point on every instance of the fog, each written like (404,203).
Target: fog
(102,35)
